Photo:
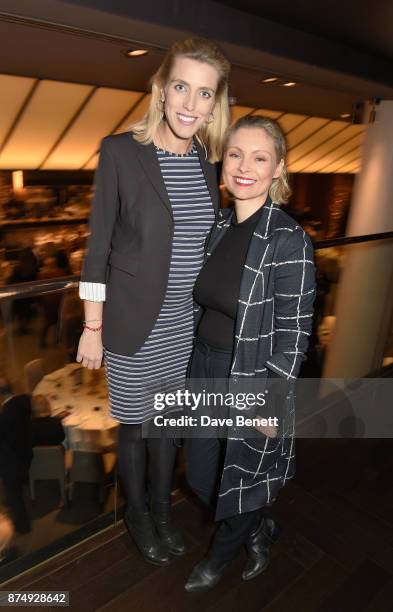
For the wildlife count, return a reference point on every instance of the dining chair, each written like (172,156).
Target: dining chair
(34,373)
(49,463)
(74,437)
(91,467)
(103,440)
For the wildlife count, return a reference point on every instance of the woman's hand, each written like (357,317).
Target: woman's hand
(90,350)
(269,430)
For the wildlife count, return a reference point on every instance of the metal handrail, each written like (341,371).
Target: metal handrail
(40,287)
(344,240)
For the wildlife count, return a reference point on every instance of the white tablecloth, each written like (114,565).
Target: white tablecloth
(83,393)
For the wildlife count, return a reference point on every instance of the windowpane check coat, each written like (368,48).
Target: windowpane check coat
(273,325)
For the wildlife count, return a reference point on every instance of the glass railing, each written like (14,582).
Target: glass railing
(331,259)
(67,489)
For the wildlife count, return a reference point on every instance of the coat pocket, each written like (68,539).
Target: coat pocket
(126,263)
(258,455)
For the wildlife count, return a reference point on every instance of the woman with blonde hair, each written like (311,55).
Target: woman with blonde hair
(156,199)
(255,295)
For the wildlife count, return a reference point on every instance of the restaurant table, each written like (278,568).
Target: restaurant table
(81,396)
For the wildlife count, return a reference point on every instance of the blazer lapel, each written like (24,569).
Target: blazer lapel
(149,161)
(256,256)
(210,173)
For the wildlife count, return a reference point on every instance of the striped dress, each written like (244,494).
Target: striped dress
(162,361)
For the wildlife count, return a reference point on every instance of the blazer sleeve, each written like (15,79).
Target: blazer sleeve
(294,294)
(103,215)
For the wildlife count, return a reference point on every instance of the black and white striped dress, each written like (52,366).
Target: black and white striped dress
(166,352)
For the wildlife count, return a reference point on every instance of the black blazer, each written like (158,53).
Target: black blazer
(130,243)
(15,438)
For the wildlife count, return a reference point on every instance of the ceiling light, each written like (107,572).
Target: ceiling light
(345,115)
(289,84)
(269,80)
(137,52)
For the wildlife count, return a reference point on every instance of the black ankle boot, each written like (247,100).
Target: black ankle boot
(257,547)
(141,528)
(169,534)
(206,574)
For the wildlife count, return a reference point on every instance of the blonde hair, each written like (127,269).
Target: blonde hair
(210,135)
(280,190)
(40,406)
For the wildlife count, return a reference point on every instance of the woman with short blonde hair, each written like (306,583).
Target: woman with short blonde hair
(279,190)
(255,297)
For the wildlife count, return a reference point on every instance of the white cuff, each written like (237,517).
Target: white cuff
(94,292)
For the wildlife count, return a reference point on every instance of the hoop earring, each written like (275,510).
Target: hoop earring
(211,118)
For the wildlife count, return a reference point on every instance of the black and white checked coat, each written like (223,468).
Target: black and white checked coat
(273,325)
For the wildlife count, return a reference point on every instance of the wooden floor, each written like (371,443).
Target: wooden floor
(335,553)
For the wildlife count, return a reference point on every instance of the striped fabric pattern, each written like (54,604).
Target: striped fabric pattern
(166,352)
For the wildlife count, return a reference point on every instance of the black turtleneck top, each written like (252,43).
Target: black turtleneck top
(218,285)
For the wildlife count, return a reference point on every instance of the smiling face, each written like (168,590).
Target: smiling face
(189,97)
(250,165)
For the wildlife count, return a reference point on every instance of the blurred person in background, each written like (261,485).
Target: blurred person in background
(46,430)
(26,270)
(15,452)
(50,303)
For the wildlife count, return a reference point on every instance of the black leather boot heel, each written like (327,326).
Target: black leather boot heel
(257,547)
(170,536)
(141,529)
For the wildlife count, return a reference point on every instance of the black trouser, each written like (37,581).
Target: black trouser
(205,457)
(146,467)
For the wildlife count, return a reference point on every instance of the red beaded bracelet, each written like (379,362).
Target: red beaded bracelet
(94,329)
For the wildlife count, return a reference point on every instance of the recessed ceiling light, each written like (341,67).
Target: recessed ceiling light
(289,84)
(345,115)
(137,52)
(269,80)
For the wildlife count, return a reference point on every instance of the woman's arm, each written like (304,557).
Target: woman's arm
(103,215)
(90,349)
(93,276)
(294,294)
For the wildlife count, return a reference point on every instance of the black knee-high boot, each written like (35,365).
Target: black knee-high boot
(162,455)
(137,518)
